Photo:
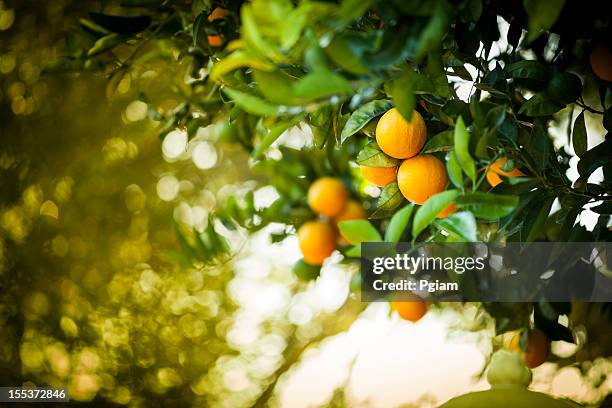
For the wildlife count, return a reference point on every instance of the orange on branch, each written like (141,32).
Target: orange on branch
(412,310)
(327,196)
(495,171)
(398,137)
(216,14)
(538,348)
(420,177)
(352,211)
(601,62)
(381,176)
(317,241)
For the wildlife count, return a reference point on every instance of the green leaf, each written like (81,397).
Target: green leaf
(358,231)
(436,28)
(254,38)
(540,105)
(441,142)
(372,156)
(430,209)
(579,136)
(321,84)
(487,205)
(390,198)
(542,15)
(104,44)
(403,93)
(305,271)
(239,59)
(270,138)
(454,170)
(462,224)
(398,223)
(293,26)
(251,103)
(363,115)
(535,218)
(528,69)
(462,153)
(341,53)
(276,87)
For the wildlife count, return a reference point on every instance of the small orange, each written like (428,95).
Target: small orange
(399,138)
(352,211)
(450,209)
(421,177)
(317,241)
(412,310)
(217,13)
(327,196)
(601,62)
(538,348)
(381,176)
(494,172)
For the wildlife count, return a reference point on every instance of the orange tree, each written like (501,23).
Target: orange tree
(475,85)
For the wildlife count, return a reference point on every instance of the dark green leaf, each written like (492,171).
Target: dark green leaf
(441,142)
(579,135)
(305,271)
(527,69)
(342,54)
(403,93)
(430,209)
(398,224)
(363,115)
(540,105)
(390,198)
(372,156)
(542,15)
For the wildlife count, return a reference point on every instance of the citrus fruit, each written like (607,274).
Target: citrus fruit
(420,177)
(565,88)
(399,138)
(410,310)
(601,62)
(538,348)
(495,171)
(352,211)
(217,13)
(450,209)
(317,241)
(327,196)
(381,176)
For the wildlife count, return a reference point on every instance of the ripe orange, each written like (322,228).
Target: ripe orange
(317,241)
(421,177)
(381,176)
(494,172)
(601,62)
(217,13)
(327,196)
(399,138)
(352,211)
(410,310)
(450,209)
(538,348)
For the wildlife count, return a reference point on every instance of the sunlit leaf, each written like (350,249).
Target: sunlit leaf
(358,231)
(430,209)
(398,223)
(363,115)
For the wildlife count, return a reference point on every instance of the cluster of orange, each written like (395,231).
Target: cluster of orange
(419,176)
(329,198)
